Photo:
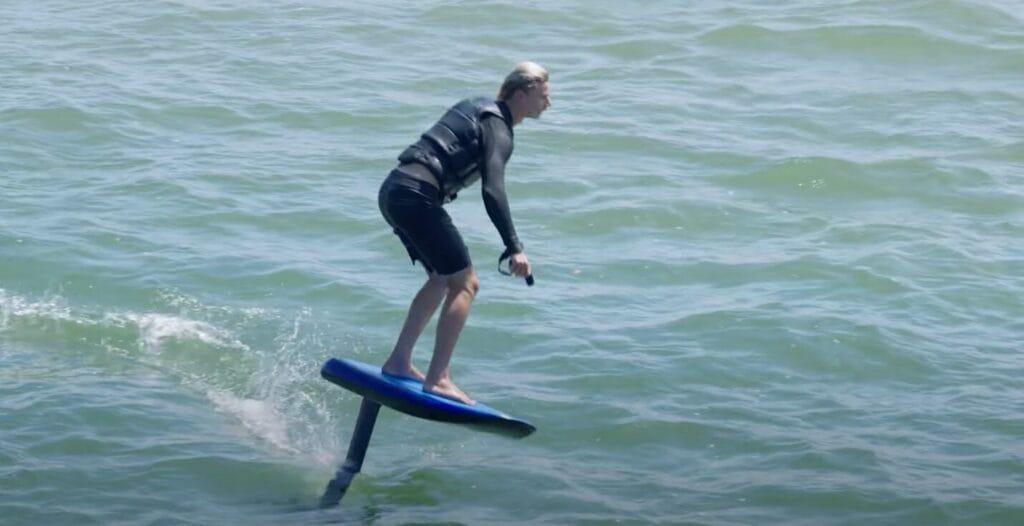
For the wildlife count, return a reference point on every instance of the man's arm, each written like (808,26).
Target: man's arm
(497,148)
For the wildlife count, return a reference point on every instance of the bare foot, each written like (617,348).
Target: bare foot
(410,372)
(448,389)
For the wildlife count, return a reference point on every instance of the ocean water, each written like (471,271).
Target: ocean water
(777,248)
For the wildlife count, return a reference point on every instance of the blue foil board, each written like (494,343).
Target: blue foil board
(407,396)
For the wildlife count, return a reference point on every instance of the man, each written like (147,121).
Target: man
(472,141)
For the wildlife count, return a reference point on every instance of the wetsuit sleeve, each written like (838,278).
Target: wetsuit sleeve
(497,148)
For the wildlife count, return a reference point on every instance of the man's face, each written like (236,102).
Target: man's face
(537,100)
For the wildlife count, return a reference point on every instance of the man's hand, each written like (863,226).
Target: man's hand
(519,265)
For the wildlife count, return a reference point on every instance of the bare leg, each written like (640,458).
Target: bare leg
(462,288)
(420,312)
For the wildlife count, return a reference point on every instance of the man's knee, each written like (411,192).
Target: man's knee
(464,280)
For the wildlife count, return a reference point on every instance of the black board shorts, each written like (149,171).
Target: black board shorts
(414,210)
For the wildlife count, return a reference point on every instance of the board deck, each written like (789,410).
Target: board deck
(407,396)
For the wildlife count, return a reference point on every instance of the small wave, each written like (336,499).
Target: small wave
(880,43)
(14,307)
(911,179)
(51,120)
(155,329)
(272,389)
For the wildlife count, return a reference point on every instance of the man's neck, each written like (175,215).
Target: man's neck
(516,112)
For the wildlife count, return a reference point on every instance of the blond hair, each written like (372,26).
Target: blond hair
(524,76)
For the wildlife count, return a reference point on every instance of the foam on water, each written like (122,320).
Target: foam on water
(261,389)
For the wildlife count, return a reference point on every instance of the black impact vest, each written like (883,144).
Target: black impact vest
(453,146)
